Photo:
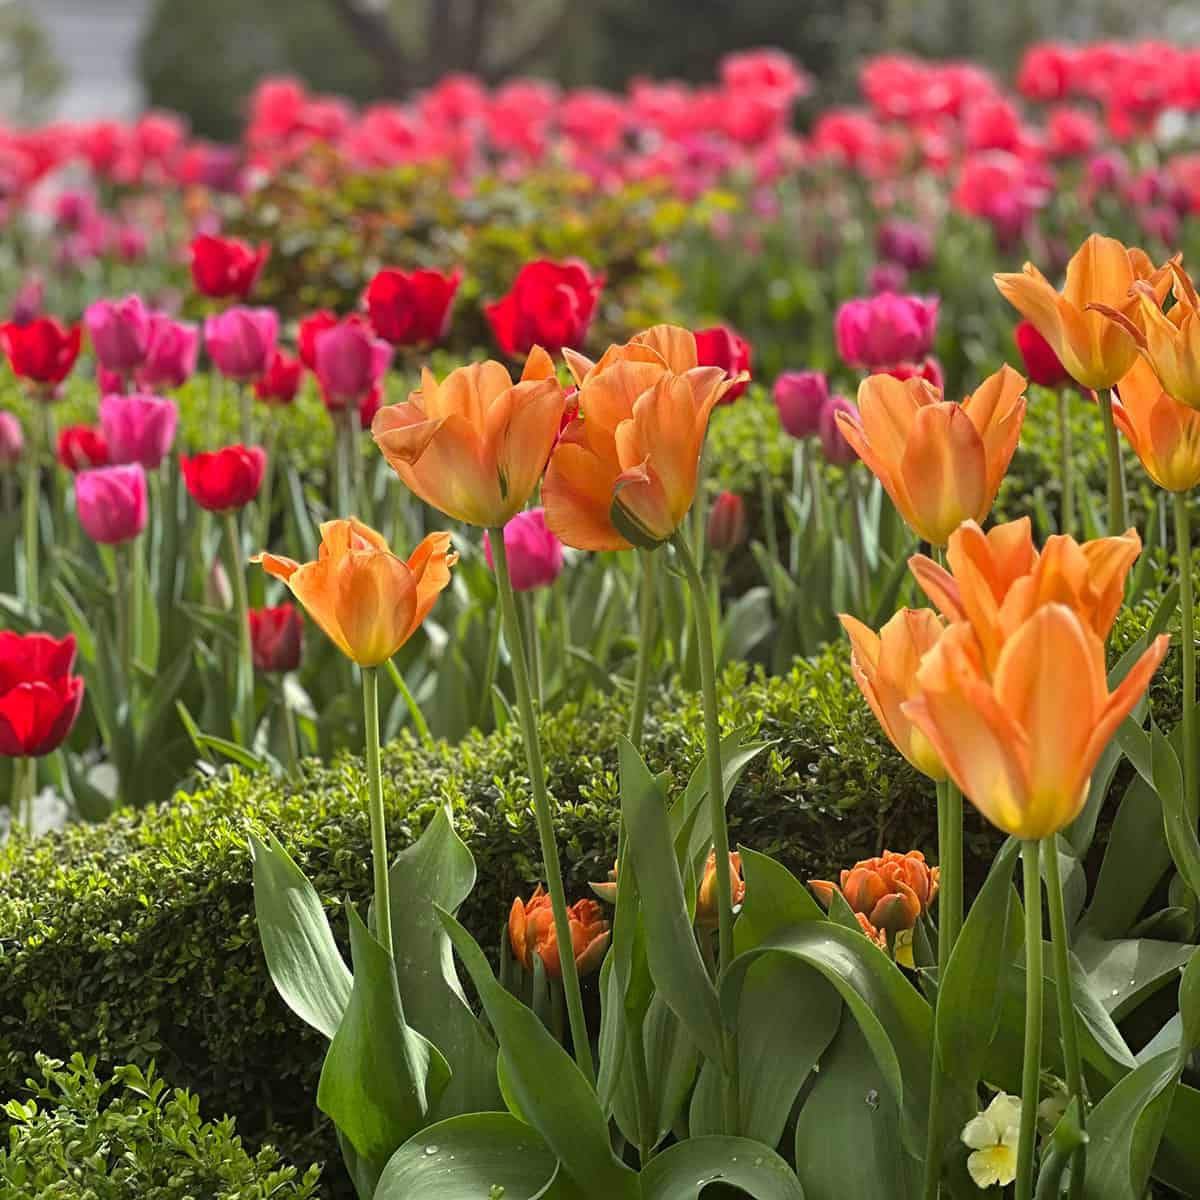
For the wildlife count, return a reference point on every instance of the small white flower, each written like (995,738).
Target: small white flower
(992,1136)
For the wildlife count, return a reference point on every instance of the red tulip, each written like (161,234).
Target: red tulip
(727,523)
(39,697)
(42,351)
(276,637)
(225,267)
(224,479)
(725,348)
(800,397)
(1041,363)
(280,382)
(310,327)
(349,363)
(81,447)
(411,309)
(549,305)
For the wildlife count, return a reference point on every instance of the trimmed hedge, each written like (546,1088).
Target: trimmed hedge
(135,940)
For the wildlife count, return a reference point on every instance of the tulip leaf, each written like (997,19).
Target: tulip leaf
(675,963)
(546,1086)
(1178,1159)
(687,1168)
(671,1063)
(775,898)
(1177,819)
(1125,972)
(469,1156)
(848,1134)
(302,957)
(380,1077)
(1064,1141)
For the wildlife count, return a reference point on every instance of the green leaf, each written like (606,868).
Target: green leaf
(775,898)
(671,1062)
(1125,972)
(747,623)
(1064,1141)
(545,1084)
(380,1077)
(671,949)
(302,957)
(687,1168)
(468,1156)
(1181,829)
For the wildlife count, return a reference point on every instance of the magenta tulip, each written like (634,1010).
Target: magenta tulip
(349,361)
(535,555)
(883,330)
(120,333)
(111,503)
(170,355)
(138,428)
(241,341)
(800,397)
(834,446)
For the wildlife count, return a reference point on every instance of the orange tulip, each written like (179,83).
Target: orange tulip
(940,462)
(368,601)
(885,667)
(475,445)
(1021,740)
(624,470)
(1095,350)
(706,898)
(996,580)
(531,927)
(1164,434)
(891,891)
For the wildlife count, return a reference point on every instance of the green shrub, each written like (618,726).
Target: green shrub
(128,1136)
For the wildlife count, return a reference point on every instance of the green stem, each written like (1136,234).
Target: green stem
(648,561)
(122,577)
(1031,1071)
(862,572)
(950,855)
(268,484)
(768,502)
(244,688)
(700,506)
(33,491)
(716,803)
(289,729)
(641,1091)
(343,484)
(1187,638)
(541,806)
(1067,522)
(1067,1024)
(528,604)
(1117,522)
(816,490)
(246,406)
(489,673)
(24,772)
(415,715)
(379,853)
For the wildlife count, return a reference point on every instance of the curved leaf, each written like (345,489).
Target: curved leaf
(687,1168)
(775,898)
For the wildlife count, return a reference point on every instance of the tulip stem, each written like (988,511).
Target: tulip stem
(122,577)
(862,573)
(1067,520)
(245,403)
(1032,1069)
(344,481)
(489,673)
(648,562)
(264,494)
(541,806)
(716,804)
(289,729)
(529,610)
(1187,638)
(1117,521)
(244,676)
(766,480)
(1068,1027)
(379,851)
(33,491)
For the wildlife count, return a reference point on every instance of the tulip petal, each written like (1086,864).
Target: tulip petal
(375,602)
(944,472)
(578,493)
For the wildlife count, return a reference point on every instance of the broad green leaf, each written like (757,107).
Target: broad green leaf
(775,898)
(687,1168)
(302,957)
(1125,972)
(1181,828)
(671,1064)
(546,1086)
(747,622)
(1178,1160)
(380,1077)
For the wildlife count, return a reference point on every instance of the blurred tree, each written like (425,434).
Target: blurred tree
(30,76)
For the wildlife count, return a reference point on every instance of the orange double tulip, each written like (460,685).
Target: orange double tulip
(940,462)
(1095,350)
(531,929)
(368,601)
(1164,433)
(624,470)
(475,445)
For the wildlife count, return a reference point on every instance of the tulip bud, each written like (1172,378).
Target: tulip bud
(800,396)
(138,428)
(1041,363)
(170,353)
(225,267)
(280,382)
(725,348)
(837,451)
(882,330)
(531,929)
(241,341)
(726,523)
(120,333)
(706,899)
(349,362)
(905,243)
(81,446)
(111,503)
(12,441)
(886,279)
(276,638)
(224,479)
(535,555)
(39,697)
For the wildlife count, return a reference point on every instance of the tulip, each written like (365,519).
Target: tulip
(411,309)
(726,523)
(349,363)
(280,382)
(111,503)
(875,935)
(170,353)
(276,637)
(940,462)
(891,891)
(225,267)
(120,333)
(475,445)
(886,279)
(550,305)
(800,397)
(42,351)
(1040,362)
(82,446)
(39,697)
(309,328)
(1164,433)
(28,301)
(241,341)
(905,243)
(837,451)
(929,370)
(706,897)
(1094,350)
(138,428)
(535,555)
(365,599)
(226,479)
(725,348)
(531,929)
(12,441)
(884,666)
(882,330)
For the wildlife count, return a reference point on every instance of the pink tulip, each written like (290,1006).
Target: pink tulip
(886,277)
(905,243)
(120,332)
(535,555)
(170,354)
(12,441)
(883,330)
(241,340)
(138,428)
(111,503)
(800,397)
(834,446)
(349,361)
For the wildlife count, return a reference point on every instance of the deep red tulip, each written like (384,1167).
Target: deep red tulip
(280,382)
(276,637)
(225,267)
(725,348)
(411,309)
(42,351)
(1041,363)
(223,479)
(549,305)
(727,523)
(800,397)
(39,697)
(81,447)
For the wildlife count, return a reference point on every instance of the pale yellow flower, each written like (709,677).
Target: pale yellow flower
(992,1137)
